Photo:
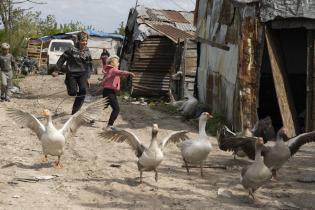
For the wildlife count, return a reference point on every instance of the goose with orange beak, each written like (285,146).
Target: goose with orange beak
(52,139)
(196,151)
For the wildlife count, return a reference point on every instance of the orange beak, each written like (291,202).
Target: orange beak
(46,113)
(209,115)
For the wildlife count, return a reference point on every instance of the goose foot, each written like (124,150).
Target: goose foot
(274,175)
(140,177)
(58,164)
(156,175)
(201,170)
(186,166)
(44,159)
(251,194)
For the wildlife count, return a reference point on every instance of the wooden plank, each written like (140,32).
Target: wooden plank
(213,44)
(285,102)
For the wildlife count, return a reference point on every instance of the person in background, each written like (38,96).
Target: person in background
(104,56)
(79,69)
(7,63)
(111,84)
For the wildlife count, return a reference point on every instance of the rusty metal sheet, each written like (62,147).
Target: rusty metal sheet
(152,63)
(270,9)
(175,16)
(172,33)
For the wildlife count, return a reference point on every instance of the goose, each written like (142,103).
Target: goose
(53,139)
(256,174)
(149,158)
(189,107)
(263,128)
(276,154)
(173,102)
(196,150)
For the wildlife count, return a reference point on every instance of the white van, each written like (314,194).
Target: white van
(55,50)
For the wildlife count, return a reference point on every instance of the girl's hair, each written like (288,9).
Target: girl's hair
(111,58)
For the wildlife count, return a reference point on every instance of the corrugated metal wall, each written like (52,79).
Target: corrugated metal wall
(152,63)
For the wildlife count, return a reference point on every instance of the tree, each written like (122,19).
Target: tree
(121,29)
(21,24)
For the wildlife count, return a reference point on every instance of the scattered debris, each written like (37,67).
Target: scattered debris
(224,192)
(35,179)
(207,166)
(306,179)
(115,165)
(16,196)
(8,165)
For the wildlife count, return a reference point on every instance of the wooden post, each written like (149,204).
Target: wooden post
(310,86)
(183,69)
(283,93)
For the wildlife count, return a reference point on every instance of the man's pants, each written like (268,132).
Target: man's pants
(6,83)
(75,80)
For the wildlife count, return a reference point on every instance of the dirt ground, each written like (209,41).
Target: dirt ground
(90,180)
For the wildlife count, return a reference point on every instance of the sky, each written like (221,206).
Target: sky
(103,15)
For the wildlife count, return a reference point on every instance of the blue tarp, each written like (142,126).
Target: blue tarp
(103,34)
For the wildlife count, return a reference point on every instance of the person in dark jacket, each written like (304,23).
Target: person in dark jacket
(79,68)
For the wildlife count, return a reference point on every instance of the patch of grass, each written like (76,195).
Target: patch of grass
(163,107)
(214,123)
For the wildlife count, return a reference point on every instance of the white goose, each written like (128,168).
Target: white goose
(53,139)
(196,150)
(149,158)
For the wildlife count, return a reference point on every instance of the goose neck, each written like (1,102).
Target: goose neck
(258,156)
(202,127)
(49,120)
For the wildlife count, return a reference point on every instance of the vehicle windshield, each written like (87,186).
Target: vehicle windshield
(60,46)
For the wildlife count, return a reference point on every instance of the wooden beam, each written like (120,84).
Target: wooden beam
(309,125)
(213,44)
(283,93)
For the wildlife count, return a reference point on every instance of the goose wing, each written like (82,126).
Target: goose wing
(121,135)
(247,144)
(174,137)
(295,143)
(82,117)
(28,120)
(222,133)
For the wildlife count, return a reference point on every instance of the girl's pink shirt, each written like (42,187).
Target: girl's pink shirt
(112,76)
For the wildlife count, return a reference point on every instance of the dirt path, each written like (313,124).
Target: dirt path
(88,181)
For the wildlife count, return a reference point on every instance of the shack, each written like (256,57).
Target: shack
(158,44)
(256,58)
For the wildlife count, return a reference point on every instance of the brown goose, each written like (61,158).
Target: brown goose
(256,174)
(149,158)
(52,139)
(276,154)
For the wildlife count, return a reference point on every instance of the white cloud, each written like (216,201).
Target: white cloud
(105,15)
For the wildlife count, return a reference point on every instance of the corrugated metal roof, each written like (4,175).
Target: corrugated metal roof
(185,26)
(175,16)
(170,23)
(171,32)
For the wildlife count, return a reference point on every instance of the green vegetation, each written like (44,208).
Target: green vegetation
(214,123)
(19,25)
(163,107)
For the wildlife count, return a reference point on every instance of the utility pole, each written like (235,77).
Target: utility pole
(9,20)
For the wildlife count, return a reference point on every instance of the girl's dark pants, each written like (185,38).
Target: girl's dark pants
(73,81)
(113,102)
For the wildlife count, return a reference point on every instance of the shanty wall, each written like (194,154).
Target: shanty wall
(152,62)
(226,85)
